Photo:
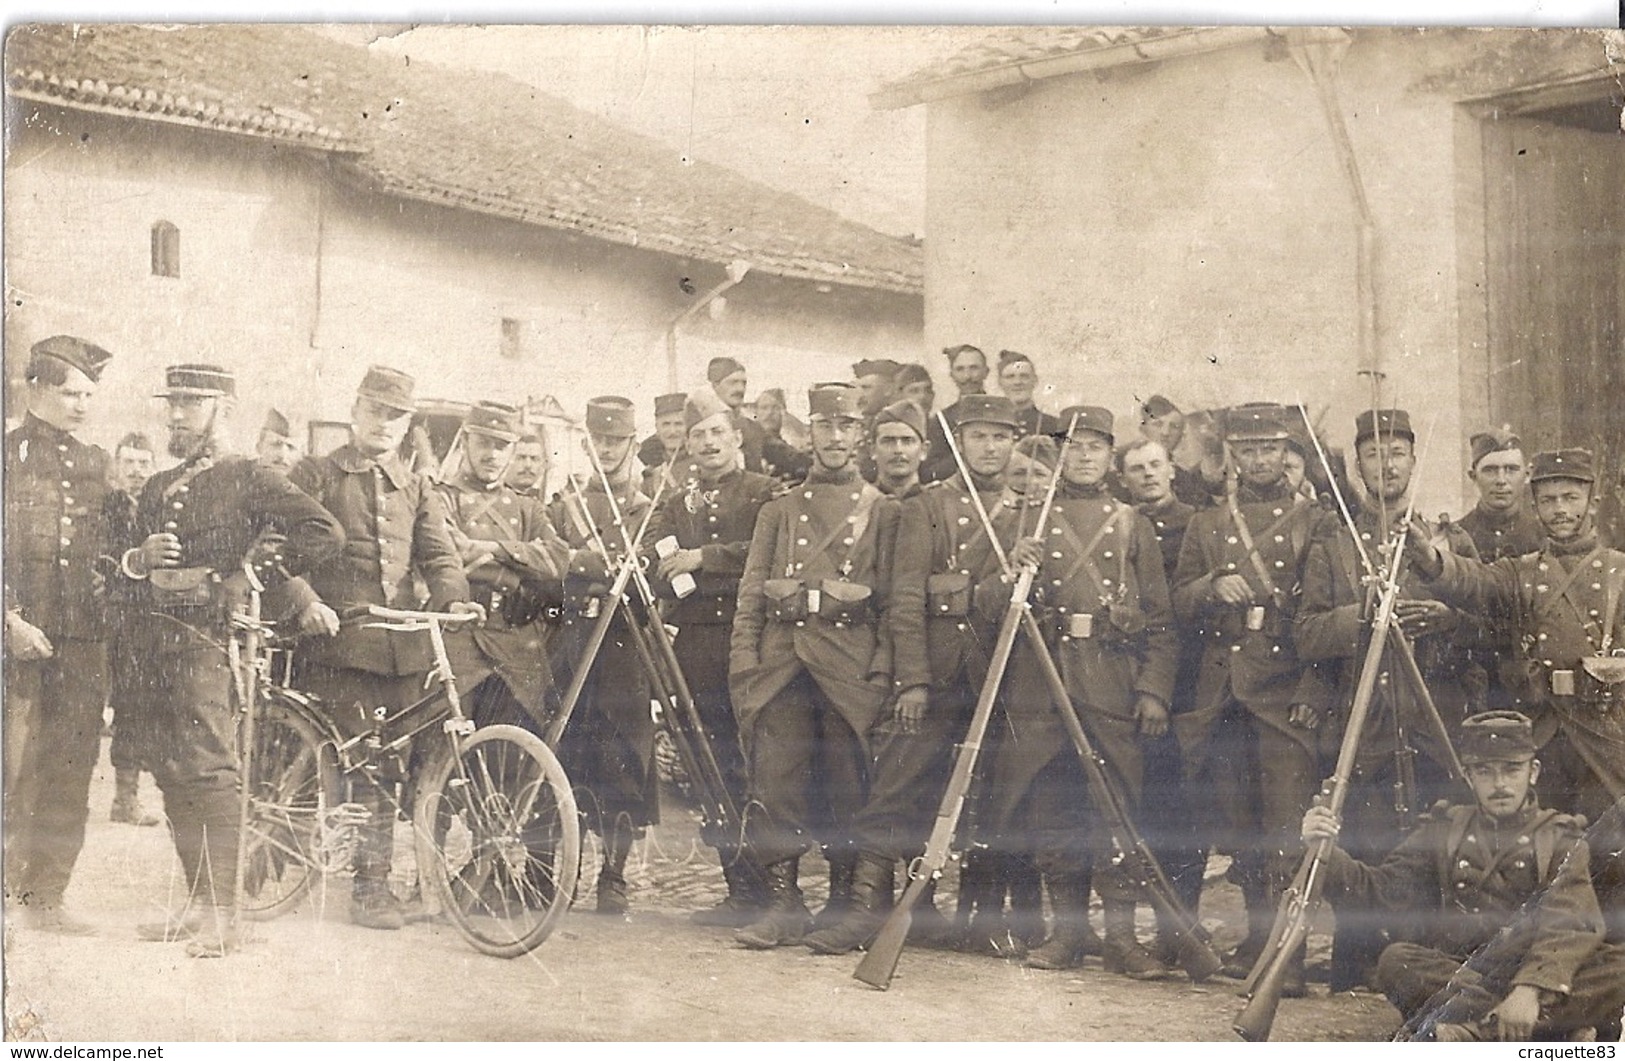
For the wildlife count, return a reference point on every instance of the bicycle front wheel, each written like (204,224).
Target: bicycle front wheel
(286,791)
(500,839)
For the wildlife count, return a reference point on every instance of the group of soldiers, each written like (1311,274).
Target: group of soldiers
(836,600)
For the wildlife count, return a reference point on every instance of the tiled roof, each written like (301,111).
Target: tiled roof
(1016,53)
(472,140)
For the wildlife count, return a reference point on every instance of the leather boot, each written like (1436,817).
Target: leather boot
(873,880)
(1069,899)
(1293,984)
(1238,964)
(1025,886)
(979,913)
(127,809)
(612,877)
(216,934)
(785,918)
(930,927)
(1124,954)
(745,901)
(842,865)
(372,904)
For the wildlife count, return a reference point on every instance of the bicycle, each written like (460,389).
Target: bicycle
(497,834)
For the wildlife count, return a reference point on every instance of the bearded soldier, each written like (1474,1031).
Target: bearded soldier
(199,522)
(1104,606)
(1403,764)
(1245,739)
(608,747)
(808,665)
(709,519)
(514,561)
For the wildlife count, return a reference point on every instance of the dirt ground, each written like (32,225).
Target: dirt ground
(313,976)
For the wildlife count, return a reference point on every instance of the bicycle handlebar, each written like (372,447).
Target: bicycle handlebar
(401,616)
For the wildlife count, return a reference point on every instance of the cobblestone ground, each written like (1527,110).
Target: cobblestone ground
(311,975)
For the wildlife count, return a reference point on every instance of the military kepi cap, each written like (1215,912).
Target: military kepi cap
(703,405)
(1484,443)
(77,353)
(834,401)
(276,424)
(986,409)
(1257,422)
(904,412)
(1563,464)
(1383,422)
(720,368)
(388,386)
(668,404)
(1089,418)
(1496,736)
(495,420)
(611,415)
(202,381)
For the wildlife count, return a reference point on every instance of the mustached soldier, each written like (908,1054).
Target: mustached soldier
(1104,605)
(1238,584)
(809,665)
(942,556)
(609,747)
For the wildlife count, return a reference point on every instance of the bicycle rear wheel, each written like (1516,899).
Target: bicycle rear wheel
(500,839)
(286,798)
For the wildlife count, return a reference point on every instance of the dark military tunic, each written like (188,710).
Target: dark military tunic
(523,576)
(1469,877)
(1497,535)
(717,518)
(810,676)
(55,529)
(946,601)
(1034,421)
(1101,561)
(1560,599)
(608,747)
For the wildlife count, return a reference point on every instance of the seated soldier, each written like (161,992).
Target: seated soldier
(1512,943)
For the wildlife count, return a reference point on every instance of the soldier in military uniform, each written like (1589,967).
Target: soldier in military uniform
(1018,379)
(809,667)
(133,465)
(967,367)
(514,562)
(197,524)
(729,381)
(939,643)
(1501,524)
(1103,602)
(1402,765)
(899,447)
(1512,942)
(666,444)
(398,542)
(1162,422)
(55,661)
(780,458)
(527,472)
(1244,740)
(1147,473)
(710,517)
(275,448)
(608,748)
(1565,603)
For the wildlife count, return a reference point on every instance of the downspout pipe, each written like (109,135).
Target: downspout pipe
(736,272)
(1318,53)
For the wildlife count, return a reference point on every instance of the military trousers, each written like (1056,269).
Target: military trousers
(808,773)
(53,726)
(608,746)
(909,773)
(702,652)
(1410,974)
(132,704)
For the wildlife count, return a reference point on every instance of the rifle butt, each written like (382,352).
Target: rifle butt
(1263,992)
(879,965)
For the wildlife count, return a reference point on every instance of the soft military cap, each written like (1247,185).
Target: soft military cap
(883,366)
(1089,418)
(1157,406)
(911,373)
(1484,443)
(1384,422)
(1010,357)
(611,415)
(720,368)
(834,401)
(904,412)
(496,420)
(77,353)
(1257,422)
(202,381)
(388,386)
(1564,464)
(668,404)
(703,406)
(986,409)
(1496,736)
(276,424)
